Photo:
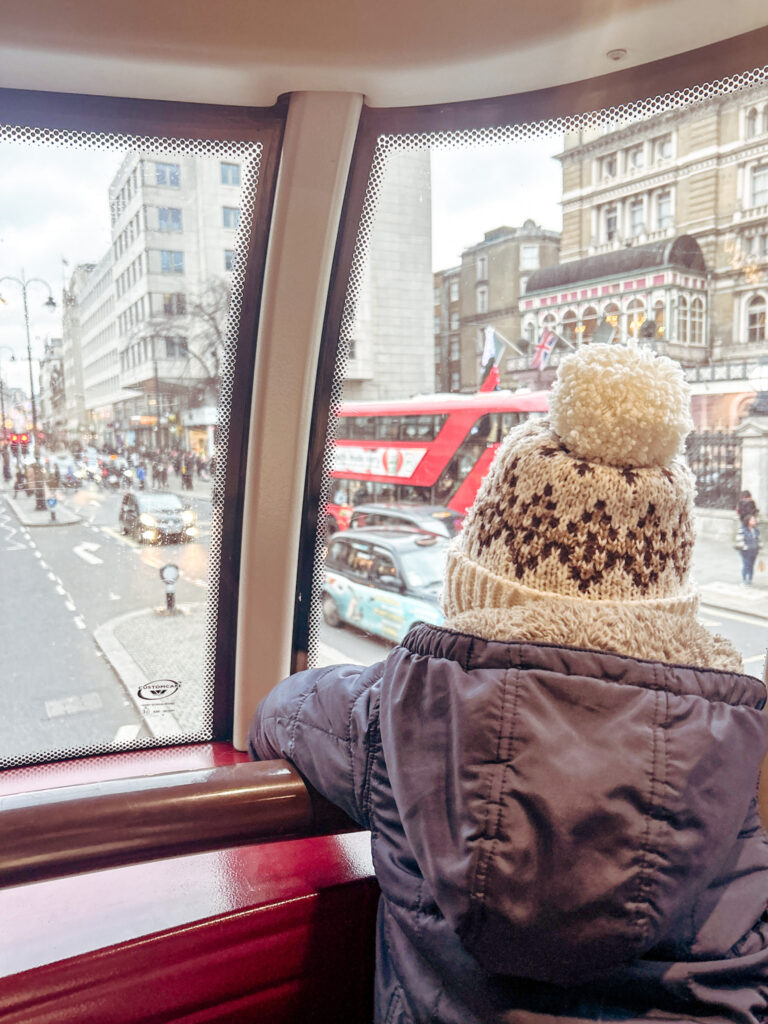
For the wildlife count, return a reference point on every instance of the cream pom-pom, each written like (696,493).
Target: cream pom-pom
(621,405)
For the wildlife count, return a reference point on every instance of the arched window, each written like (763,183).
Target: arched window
(530,332)
(751,123)
(612,314)
(588,323)
(756,319)
(570,320)
(659,317)
(635,317)
(682,319)
(697,322)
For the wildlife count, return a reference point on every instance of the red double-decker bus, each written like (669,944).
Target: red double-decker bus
(431,450)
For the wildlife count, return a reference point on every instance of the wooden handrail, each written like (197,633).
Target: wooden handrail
(58,832)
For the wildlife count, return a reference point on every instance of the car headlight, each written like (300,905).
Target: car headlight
(188,516)
(147,519)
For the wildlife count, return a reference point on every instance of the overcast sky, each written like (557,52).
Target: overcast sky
(476,190)
(54,207)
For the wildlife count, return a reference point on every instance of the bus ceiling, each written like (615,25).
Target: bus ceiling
(394,54)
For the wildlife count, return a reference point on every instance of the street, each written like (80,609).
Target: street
(91,660)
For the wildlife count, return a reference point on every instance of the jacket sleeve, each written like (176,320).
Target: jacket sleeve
(324,721)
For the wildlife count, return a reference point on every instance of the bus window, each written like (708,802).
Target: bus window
(117,401)
(493,293)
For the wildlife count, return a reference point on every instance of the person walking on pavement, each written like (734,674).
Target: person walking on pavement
(20,481)
(748,546)
(746,507)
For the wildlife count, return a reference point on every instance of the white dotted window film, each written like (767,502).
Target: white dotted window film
(153,717)
(610,118)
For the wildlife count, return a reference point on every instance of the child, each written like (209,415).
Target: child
(560,782)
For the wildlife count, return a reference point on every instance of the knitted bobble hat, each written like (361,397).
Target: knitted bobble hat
(582,532)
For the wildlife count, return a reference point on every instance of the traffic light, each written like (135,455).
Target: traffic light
(23,441)
(14,444)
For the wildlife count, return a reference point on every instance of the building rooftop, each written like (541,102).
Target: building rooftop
(683,252)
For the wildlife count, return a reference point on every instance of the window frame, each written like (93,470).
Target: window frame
(629,85)
(73,112)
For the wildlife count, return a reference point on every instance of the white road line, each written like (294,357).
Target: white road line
(79,622)
(44,565)
(126,733)
(750,620)
(60,589)
(37,553)
(69,606)
(51,575)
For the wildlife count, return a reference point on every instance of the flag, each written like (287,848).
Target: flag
(65,262)
(544,350)
(493,349)
(604,333)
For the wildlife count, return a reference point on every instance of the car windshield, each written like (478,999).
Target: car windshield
(423,566)
(161,502)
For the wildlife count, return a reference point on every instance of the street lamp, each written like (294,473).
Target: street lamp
(50,303)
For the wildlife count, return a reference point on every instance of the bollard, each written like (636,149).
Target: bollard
(169,574)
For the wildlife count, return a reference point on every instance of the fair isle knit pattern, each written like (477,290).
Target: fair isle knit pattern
(582,532)
(556,523)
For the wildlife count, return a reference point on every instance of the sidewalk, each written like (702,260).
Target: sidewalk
(24,509)
(160,659)
(717,574)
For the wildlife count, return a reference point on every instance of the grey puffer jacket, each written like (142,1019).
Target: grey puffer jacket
(559,834)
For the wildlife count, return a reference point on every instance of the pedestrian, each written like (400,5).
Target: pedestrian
(164,474)
(155,474)
(559,781)
(746,507)
(141,475)
(748,546)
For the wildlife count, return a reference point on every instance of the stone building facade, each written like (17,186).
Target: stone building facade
(702,172)
(492,276)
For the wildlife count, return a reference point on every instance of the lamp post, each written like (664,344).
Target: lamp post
(50,303)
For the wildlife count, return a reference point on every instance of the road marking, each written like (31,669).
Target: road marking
(69,606)
(60,589)
(44,565)
(748,619)
(126,733)
(85,550)
(37,553)
(73,705)
(51,575)
(79,622)
(113,597)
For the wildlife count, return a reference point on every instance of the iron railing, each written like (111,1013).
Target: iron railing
(715,459)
